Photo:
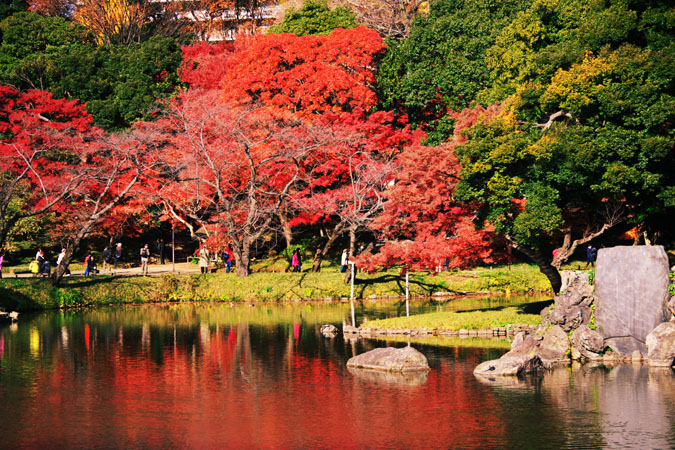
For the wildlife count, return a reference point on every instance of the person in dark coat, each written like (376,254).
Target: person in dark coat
(160,250)
(591,254)
(118,254)
(107,258)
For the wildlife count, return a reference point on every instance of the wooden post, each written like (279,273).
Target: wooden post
(351,298)
(173,250)
(407,294)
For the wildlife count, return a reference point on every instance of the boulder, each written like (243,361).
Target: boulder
(575,291)
(554,347)
(588,342)
(575,354)
(661,345)
(519,360)
(572,306)
(530,354)
(517,340)
(391,359)
(631,295)
(509,365)
(671,305)
(329,331)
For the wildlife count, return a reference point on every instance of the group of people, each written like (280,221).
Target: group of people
(112,259)
(227,256)
(344,260)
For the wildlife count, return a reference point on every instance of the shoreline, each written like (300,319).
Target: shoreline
(31,294)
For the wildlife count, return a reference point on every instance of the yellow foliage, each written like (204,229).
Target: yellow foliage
(111,21)
(578,86)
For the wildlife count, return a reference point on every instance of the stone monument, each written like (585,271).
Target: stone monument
(631,295)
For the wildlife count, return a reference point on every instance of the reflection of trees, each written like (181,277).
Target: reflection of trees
(165,380)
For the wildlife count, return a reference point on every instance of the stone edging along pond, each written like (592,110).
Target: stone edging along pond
(509,330)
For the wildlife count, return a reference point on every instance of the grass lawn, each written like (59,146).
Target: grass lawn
(37,293)
(455,321)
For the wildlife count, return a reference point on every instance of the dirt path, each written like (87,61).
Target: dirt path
(153,270)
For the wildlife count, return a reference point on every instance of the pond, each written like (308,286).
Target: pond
(215,376)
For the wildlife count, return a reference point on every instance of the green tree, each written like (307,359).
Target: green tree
(584,138)
(441,67)
(27,34)
(119,84)
(315,17)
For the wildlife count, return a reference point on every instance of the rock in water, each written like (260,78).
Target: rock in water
(390,359)
(631,295)
(518,361)
(588,342)
(661,345)
(553,348)
(329,331)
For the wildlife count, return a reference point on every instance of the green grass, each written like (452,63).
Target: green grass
(457,320)
(25,294)
(450,341)
(514,278)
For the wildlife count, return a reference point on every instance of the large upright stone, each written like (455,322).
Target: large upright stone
(631,295)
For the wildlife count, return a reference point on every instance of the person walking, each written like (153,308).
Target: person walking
(591,254)
(118,254)
(344,261)
(145,257)
(160,250)
(204,260)
(295,261)
(87,264)
(230,258)
(59,260)
(107,257)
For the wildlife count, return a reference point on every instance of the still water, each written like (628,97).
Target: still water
(210,376)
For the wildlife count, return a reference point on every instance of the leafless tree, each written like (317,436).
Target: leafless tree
(390,18)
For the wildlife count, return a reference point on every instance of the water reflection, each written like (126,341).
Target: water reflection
(204,376)
(626,406)
(374,376)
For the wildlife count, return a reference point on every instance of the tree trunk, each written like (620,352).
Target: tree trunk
(316,264)
(564,252)
(286,230)
(60,269)
(352,240)
(242,259)
(545,267)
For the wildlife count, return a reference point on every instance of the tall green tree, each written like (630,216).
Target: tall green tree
(26,34)
(315,17)
(441,66)
(119,84)
(584,138)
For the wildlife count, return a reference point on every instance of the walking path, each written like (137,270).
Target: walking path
(153,269)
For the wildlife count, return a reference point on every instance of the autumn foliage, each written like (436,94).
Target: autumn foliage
(306,74)
(45,143)
(422,225)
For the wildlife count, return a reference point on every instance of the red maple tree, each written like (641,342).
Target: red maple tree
(228,170)
(345,178)
(423,227)
(43,143)
(306,74)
